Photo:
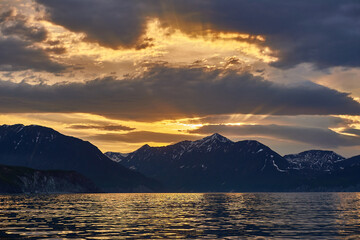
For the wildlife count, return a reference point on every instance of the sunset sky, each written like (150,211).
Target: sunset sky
(124,73)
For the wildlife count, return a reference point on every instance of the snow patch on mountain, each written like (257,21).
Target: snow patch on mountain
(116,156)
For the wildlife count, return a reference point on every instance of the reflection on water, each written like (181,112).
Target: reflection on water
(195,215)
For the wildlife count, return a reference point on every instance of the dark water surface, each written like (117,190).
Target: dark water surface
(195,215)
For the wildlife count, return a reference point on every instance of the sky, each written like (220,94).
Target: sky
(122,74)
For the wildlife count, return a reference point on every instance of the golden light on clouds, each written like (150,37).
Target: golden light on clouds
(354,121)
(349,80)
(91,125)
(89,59)
(341,130)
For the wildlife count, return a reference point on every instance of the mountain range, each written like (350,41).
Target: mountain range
(40,159)
(216,163)
(213,163)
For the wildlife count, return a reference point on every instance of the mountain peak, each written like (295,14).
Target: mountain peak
(19,127)
(210,142)
(20,134)
(144,147)
(215,137)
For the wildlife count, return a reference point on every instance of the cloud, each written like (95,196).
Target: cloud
(352,131)
(321,32)
(169,93)
(17,55)
(56,50)
(6,15)
(315,121)
(111,23)
(143,136)
(103,127)
(17,49)
(312,136)
(19,26)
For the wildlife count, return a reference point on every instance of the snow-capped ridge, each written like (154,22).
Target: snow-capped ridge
(314,160)
(206,144)
(210,142)
(215,137)
(22,134)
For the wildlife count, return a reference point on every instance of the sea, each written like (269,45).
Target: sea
(181,216)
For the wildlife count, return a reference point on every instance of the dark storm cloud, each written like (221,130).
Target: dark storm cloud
(323,32)
(17,55)
(103,127)
(23,30)
(143,136)
(167,93)
(17,50)
(111,23)
(312,136)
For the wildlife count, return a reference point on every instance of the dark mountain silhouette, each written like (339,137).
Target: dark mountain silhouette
(27,180)
(44,148)
(213,163)
(314,162)
(353,162)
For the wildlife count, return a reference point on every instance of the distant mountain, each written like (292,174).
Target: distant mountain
(314,161)
(213,163)
(344,176)
(216,163)
(44,148)
(27,180)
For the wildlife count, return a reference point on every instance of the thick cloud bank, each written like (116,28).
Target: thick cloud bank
(323,32)
(167,93)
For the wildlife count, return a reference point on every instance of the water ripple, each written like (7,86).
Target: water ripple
(183,216)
